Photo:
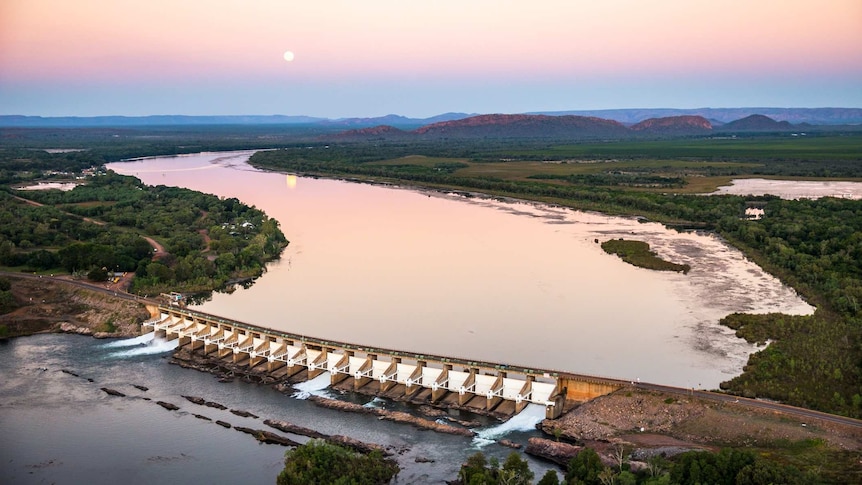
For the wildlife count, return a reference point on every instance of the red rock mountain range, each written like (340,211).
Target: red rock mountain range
(539,126)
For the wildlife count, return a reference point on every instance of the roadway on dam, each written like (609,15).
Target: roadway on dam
(703,394)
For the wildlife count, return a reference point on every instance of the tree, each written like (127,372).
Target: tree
(516,470)
(585,467)
(549,478)
(480,471)
(764,472)
(320,462)
(97,274)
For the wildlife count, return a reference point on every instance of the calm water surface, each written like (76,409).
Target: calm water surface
(482,279)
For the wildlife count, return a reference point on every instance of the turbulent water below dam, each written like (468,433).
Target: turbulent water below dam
(58,426)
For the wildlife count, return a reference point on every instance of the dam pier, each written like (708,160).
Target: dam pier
(484,387)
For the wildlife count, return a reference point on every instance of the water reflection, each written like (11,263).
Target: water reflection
(484,279)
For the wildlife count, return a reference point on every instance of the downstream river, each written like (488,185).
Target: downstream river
(478,278)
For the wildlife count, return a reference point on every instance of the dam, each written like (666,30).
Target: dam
(408,376)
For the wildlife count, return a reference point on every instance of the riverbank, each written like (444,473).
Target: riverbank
(46,305)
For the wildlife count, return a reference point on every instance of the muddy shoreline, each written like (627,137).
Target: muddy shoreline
(49,305)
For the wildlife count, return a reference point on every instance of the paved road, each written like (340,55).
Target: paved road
(801,413)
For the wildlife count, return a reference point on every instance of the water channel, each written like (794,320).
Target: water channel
(394,267)
(478,278)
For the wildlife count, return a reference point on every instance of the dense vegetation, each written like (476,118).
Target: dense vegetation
(638,253)
(320,462)
(813,245)
(7,303)
(99,227)
(729,466)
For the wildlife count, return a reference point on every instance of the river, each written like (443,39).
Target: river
(393,267)
(60,428)
(482,279)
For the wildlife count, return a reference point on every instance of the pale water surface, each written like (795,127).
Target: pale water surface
(794,189)
(502,281)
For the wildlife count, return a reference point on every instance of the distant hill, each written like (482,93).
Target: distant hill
(379,132)
(674,125)
(756,123)
(180,120)
(159,120)
(571,127)
(814,116)
(395,120)
(627,117)
(524,126)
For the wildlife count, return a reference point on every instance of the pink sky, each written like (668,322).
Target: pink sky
(487,51)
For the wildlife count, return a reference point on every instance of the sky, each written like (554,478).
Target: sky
(421,58)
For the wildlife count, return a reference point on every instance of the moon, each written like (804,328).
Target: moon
(288,56)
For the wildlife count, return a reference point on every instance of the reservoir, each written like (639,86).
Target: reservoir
(477,278)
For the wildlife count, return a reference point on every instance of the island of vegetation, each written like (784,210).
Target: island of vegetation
(638,254)
(320,462)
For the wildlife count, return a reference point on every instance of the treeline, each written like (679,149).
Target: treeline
(617,178)
(22,165)
(729,466)
(321,462)
(815,361)
(209,241)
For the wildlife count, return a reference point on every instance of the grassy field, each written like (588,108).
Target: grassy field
(784,147)
(687,166)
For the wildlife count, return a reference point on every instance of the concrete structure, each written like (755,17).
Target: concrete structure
(462,383)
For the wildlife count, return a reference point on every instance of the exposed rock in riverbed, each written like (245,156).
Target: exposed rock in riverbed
(286,427)
(244,414)
(356,445)
(67,327)
(345,441)
(203,402)
(196,400)
(267,437)
(167,405)
(223,424)
(554,451)
(141,388)
(509,443)
(396,416)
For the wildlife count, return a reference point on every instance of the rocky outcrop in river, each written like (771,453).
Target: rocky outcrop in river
(554,451)
(396,416)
